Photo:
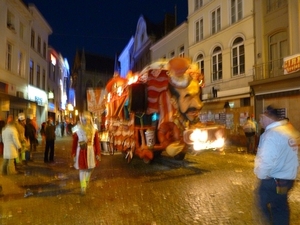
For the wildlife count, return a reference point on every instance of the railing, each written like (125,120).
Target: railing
(268,70)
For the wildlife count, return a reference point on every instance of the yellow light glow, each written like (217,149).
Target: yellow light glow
(53,60)
(199,138)
(199,135)
(50,95)
(119,90)
(132,79)
(70,107)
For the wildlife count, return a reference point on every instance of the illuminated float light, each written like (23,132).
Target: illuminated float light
(205,138)
(132,79)
(108,97)
(119,90)
(199,135)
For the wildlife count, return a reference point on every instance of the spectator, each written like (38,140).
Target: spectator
(2,125)
(250,131)
(276,165)
(30,134)
(62,128)
(50,139)
(57,129)
(20,125)
(43,133)
(11,147)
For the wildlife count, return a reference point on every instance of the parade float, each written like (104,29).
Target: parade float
(157,111)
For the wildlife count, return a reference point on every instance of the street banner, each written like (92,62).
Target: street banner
(95,97)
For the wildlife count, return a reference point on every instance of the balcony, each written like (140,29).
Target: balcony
(268,70)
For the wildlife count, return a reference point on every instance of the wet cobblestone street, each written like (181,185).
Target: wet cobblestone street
(206,189)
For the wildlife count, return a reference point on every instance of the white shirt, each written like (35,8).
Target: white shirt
(275,157)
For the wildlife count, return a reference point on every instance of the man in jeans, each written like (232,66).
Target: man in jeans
(50,138)
(276,165)
(249,129)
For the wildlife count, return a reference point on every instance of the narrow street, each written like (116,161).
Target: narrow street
(208,188)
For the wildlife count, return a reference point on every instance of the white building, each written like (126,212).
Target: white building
(174,44)
(125,58)
(20,61)
(221,41)
(57,84)
(39,32)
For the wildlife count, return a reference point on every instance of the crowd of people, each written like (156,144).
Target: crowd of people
(276,162)
(19,139)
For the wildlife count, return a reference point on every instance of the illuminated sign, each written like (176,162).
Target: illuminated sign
(51,107)
(291,64)
(39,100)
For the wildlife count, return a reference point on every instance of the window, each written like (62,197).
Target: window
(20,64)
(53,72)
(31,68)
(217,64)
(8,62)
(39,45)
(238,57)
(181,51)
(198,4)
(236,10)
(199,30)
(278,49)
(52,67)
(216,21)
(275,4)
(10,21)
(32,38)
(21,31)
(38,76)
(44,80)
(172,55)
(200,62)
(44,50)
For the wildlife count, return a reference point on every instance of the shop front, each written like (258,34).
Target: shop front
(282,91)
(231,109)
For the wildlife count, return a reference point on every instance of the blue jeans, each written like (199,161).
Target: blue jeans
(273,206)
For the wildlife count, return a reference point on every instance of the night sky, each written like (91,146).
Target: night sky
(103,27)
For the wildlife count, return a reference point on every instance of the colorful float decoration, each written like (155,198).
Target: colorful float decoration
(169,90)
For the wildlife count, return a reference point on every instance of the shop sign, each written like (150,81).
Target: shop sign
(39,101)
(291,64)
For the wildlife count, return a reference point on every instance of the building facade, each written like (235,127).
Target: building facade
(137,54)
(57,85)
(277,61)
(23,60)
(174,44)
(89,71)
(221,41)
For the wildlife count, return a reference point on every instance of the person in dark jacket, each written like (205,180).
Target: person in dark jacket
(30,134)
(50,139)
